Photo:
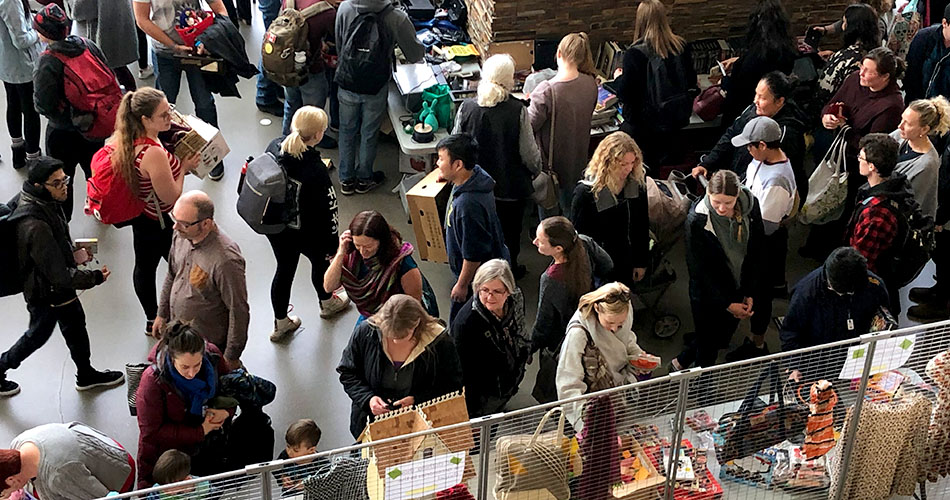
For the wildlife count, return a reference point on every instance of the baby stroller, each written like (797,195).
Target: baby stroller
(669,201)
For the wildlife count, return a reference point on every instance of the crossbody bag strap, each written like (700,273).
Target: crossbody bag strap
(550,162)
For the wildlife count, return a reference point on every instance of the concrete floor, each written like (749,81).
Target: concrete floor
(304,368)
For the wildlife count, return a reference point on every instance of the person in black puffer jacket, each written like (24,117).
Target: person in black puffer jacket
(49,269)
(398,357)
(316,214)
(506,146)
(724,250)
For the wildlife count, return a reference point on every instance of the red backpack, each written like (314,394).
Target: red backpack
(108,197)
(92,91)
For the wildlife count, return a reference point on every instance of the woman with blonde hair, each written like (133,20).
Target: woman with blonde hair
(610,206)
(156,177)
(312,229)
(918,159)
(400,356)
(642,120)
(489,330)
(506,148)
(604,318)
(561,110)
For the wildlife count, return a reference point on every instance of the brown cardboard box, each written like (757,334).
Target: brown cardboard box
(427,204)
(521,51)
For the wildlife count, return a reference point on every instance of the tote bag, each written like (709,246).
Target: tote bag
(533,466)
(828,185)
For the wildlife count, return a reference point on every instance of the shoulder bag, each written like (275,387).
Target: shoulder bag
(828,185)
(597,375)
(545,183)
(535,465)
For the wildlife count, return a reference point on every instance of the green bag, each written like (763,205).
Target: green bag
(440,101)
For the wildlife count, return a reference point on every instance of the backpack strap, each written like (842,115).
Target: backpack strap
(317,8)
(148,141)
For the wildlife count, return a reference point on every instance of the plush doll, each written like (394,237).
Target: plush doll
(427,116)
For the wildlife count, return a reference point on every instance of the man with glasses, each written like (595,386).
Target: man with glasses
(834,302)
(48,265)
(205,284)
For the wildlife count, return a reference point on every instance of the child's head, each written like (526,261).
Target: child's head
(302,438)
(173,466)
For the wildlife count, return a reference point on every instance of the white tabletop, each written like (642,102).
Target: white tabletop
(397,109)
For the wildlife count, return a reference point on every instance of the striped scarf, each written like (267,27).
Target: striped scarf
(370,292)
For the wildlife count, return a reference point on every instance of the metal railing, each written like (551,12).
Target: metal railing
(618,444)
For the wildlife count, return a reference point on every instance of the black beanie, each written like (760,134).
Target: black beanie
(846,270)
(42,169)
(52,22)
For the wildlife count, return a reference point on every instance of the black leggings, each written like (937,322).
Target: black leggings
(511,216)
(71,148)
(288,245)
(22,118)
(143,48)
(151,244)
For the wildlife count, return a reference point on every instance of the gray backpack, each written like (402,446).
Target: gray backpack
(269,199)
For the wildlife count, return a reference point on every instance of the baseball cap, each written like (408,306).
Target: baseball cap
(760,128)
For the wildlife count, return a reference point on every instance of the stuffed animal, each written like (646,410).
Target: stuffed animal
(427,116)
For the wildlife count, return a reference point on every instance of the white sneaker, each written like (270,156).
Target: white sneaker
(145,72)
(284,327)
(334,305)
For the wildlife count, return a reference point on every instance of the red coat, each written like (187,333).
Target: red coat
(164,422)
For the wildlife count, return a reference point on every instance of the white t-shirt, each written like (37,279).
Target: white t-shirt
(164,15)
(774,186)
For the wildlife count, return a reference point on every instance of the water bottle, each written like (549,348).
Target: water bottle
(300,59)
(244,173)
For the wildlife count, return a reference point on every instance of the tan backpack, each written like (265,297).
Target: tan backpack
(285,37)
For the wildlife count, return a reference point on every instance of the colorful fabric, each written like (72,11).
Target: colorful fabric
(372,290)
(874,232)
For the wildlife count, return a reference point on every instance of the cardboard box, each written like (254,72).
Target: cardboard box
(414,164)
(522,51)
(427,204)
(203,139)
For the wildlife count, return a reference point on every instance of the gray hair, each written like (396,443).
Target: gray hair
(498,78)
(495,269)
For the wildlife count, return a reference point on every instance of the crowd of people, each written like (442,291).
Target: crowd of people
(597,234)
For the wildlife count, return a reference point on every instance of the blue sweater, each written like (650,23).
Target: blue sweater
(472,229)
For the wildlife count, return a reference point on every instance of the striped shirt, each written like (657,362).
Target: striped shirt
(146,191)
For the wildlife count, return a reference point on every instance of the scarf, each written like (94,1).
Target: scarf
(196,391)
(370,292)
(507,332)
(733,232)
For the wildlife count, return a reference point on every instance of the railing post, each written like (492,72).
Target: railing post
(265,486)
(679,420)
(852,429)
(484,459)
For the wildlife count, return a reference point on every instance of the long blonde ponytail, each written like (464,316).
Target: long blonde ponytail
(308,123)
(128,128)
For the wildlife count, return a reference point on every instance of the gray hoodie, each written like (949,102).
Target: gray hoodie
(397,22)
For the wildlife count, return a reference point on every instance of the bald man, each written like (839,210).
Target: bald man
(205,283)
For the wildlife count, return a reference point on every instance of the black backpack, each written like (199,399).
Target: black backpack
(11,283)
(913,245)
(669,104)
(365,54)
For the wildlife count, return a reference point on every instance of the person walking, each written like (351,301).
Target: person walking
(19,50)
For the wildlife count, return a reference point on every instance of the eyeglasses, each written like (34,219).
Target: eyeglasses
(617,297)
(186,225)
(59,183)
(492,293)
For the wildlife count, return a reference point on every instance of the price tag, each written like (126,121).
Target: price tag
(850,324)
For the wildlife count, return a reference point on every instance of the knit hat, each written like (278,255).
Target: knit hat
(759,129)
(52,22)
(846,270)
(42,169)
(9,465)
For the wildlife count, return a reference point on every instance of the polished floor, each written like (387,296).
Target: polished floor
(303,368)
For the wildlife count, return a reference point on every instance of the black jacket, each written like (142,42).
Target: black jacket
(631,86)
(491,376)
(710,281)
(620,225)
(222,39)
(726,156)
(318,202)
(49,94)
(497,130)
(45,251)
(928,66)
(435,371)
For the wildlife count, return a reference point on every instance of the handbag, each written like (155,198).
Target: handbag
(133,377)
(597,376)
(757,425)
(527,465)
(708,104)
(545,184)
(828,185)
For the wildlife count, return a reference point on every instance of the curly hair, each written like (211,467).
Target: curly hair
(607,159)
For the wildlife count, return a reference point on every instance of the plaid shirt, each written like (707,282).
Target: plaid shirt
(874,231)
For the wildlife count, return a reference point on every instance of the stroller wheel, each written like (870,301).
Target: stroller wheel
(666,326)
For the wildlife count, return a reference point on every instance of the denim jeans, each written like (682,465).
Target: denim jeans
(266,89)
(360,118)
(313,92)
(168,72)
